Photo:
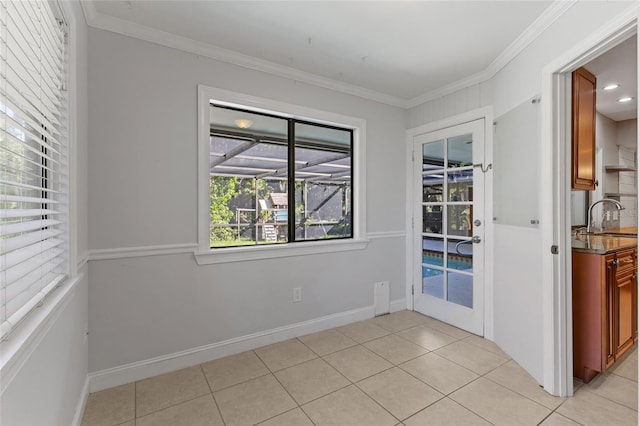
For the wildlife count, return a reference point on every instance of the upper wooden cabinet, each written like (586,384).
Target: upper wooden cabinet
(583,130)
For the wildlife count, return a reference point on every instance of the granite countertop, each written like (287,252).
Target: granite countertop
(625,230)
(603,243)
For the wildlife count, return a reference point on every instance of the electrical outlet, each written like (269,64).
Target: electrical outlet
(297,294)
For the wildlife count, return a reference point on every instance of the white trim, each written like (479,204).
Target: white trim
(204,253)
(144,251)
(540,25)
(131,29)
(128,373)
(82,403)
(72,135)
(485,113)
(22,341)
(557,330)
(544,21)
(398,305)
(386,234)
(82,261)
(89,10)
(287,250)
(274,251)
(163,38)
(441,92)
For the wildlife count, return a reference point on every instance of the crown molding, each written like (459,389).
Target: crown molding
(540,25)
(152,35)
(477,78)
(89,10)
(533,31)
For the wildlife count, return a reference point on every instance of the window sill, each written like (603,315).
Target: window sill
(240,254)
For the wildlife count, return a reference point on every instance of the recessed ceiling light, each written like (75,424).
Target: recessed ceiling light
(625,99)
(611,86)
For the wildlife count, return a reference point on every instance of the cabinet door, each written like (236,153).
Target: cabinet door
(624,312)
(583,130)
(609,311)
(634,284)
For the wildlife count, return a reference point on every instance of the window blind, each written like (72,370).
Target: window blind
(33,158)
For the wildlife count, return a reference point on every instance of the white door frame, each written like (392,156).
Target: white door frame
(485,113)
(555,197)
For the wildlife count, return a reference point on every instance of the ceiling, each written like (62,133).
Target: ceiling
(620,66)
(399,52)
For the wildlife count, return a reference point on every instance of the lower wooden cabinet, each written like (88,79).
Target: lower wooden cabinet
(605,310)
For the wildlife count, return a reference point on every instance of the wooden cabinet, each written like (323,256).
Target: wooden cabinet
(605,310)
(623,287)
(583,130)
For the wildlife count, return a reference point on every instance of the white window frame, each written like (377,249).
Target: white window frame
(204,254)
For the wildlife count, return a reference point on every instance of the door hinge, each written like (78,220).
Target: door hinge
(412,223)
(412,290)
(413,156)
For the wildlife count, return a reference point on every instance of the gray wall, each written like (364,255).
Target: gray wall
(143,193)
(517,258)
(49,385)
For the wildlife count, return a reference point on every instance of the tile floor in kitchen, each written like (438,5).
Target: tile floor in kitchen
(398,369)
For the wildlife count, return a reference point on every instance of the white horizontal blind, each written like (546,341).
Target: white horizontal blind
(33,158)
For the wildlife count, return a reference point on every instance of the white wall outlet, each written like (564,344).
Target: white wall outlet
(297,294)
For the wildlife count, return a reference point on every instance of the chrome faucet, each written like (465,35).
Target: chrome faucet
(615,202)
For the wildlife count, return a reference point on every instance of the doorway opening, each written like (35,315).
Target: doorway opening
(566,208)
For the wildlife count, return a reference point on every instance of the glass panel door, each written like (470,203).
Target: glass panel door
(449,249)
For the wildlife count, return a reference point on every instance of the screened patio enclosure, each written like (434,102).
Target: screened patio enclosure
(276,180)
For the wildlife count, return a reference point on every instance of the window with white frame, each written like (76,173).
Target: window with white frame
(33,157)
(277,175)
(277,179)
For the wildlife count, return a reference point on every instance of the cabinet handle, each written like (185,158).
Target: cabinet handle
(627,261)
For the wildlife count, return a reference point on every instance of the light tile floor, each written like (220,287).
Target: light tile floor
(399,369)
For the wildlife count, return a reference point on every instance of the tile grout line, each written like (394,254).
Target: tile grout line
(212,395)
(135,402)
(380,404)
(357,383)
(292,398)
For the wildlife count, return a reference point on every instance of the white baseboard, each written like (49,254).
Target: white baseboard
(128,373)
(398,305)
(82,403)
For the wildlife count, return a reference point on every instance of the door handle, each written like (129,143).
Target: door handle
(471,241)
(476,239)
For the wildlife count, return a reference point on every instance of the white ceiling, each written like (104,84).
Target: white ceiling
(618,65)
(399,52)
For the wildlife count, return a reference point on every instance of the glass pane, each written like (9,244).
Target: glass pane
(248,184)
(433,282)
(460,185)
(459,151)
(433,251)
(433,155)
(323,182)
(432,187)
(460,289)
(459,218)
(460,255)
(235,217)
(273,210)
(432,219)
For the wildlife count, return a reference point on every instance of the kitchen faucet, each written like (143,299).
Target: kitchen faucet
(615,202)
